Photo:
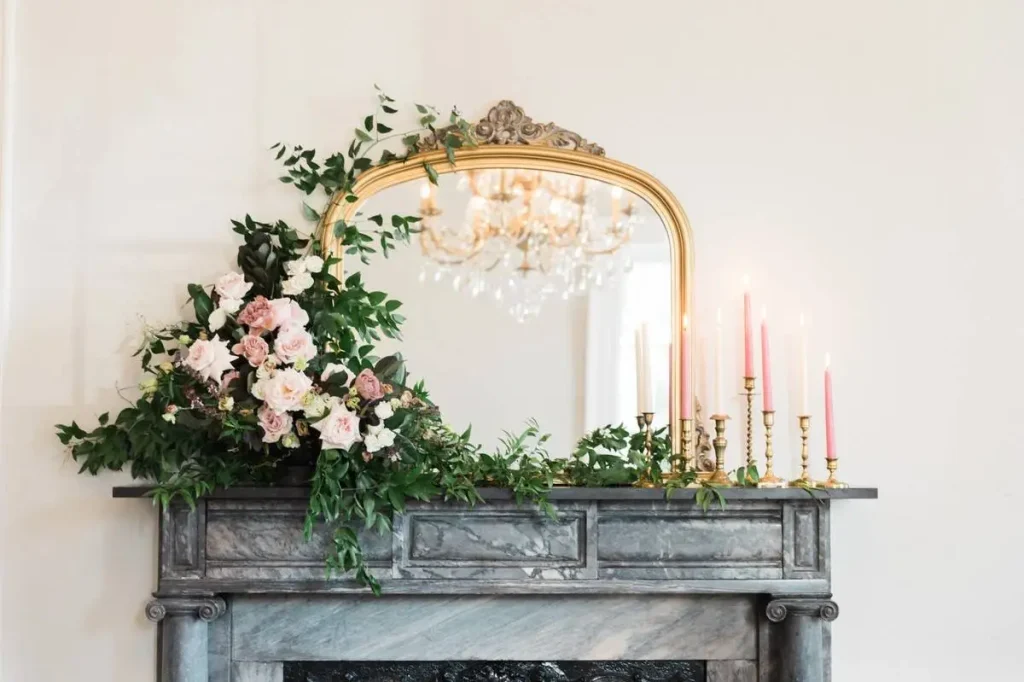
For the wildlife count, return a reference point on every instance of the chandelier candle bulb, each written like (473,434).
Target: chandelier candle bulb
(768,405)
(748,331)
(686,379)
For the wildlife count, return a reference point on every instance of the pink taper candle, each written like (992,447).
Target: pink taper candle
(766,365)
(687,384)
(748,332)
(830,429)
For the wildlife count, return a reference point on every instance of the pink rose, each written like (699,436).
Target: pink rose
(258,315)
(252,348)
(284,391)
(288,311)
(209,359)
(294,342)
(232,286)
(368,386)
(339,429)
(275,424)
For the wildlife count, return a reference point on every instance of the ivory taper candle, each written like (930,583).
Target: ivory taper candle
(719,405)
(687,385)
(804,404)
(643,371)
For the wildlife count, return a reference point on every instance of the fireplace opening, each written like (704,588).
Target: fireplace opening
(494,671)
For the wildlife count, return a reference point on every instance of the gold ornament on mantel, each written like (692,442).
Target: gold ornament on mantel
(507,123)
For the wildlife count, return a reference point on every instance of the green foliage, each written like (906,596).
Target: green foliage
(191,435)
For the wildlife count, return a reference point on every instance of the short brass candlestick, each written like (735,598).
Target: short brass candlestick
(769,480)
(832,481)
(689,457)
(720,477)
(643,422)
(748,386)
(805,474)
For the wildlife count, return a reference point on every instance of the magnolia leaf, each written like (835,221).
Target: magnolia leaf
(201,302)
(368,123)
(309,213)
(431,172)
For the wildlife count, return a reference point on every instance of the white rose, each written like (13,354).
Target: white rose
(294,342)
(285,390)
(371,442)
(287,312)
(232,285)
(339,429)
(294,267)
(293,286)
(330,370)
(386,438)
(230,305)
(217,319)
(210,359)
(314,263)
(384,410)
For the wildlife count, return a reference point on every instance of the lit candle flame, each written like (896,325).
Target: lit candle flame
(718,316)
(828,360)
(686,321)
(425,191)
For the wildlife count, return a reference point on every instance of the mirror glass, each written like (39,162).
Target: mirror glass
(523,292)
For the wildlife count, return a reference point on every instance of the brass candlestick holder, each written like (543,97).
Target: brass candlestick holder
(805,473)
(643,422)
(720,477)
(832,481)
(769,480)
(748,387)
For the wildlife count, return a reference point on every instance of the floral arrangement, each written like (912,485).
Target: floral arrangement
(277,372)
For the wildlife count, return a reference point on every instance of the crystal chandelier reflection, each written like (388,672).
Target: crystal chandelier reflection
(526,236)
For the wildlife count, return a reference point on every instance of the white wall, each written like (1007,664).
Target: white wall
(862,161)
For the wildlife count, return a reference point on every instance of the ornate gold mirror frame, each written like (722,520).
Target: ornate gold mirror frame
(508,139)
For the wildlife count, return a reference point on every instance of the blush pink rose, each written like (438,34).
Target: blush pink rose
(210,359)
(288,312)
(258,315)
(339,429)
(368,386)
(232,286)
(284,391)
(294,342)
(252,348)
(275,424)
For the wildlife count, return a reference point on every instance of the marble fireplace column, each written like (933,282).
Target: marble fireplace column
(801,654)
(185,635)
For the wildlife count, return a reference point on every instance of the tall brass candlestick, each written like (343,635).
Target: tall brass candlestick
(720,477)
(805,474)
(832,481)
(769,480)
(748,386)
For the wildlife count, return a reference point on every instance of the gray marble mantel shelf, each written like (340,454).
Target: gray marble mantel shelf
(619,573)
(624,493)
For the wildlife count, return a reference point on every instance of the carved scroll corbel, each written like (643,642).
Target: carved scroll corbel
(778,609)
(207,609)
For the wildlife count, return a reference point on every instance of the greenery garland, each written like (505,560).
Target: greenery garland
(302,386)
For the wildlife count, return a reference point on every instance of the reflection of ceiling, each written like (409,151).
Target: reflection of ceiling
(524,237)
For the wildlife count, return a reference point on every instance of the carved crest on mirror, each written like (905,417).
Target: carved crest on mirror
(507,123)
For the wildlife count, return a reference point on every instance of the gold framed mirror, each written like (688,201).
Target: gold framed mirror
(518,155)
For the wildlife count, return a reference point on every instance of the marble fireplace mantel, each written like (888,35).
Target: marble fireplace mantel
(620,574)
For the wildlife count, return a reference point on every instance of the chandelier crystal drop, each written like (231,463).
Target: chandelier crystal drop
(526,236)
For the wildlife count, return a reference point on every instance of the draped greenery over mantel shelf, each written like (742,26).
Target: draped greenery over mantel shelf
(278,370)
